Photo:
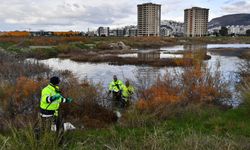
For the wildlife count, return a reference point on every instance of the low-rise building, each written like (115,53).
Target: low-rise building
(103,31)
(91,33)
(120,32)
(232,29)
(166,30)
(133,32)
(214,30)
(172,28)
(130,31)
(40,33)
(238,29)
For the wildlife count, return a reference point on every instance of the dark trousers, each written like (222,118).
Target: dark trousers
(117,99)
(117,96)
(48,121)
(53,120)
(125,101)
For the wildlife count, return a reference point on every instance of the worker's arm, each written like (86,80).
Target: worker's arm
(60,97)
(50,99)
(110,87)
(131,90)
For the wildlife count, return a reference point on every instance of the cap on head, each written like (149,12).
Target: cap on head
(127,83)
(115,78)
(55,80)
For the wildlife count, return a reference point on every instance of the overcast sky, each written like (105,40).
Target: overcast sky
(65,15)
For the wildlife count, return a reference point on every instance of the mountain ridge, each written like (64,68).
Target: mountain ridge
(232,19)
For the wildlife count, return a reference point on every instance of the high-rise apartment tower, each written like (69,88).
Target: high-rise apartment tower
(149,19)
(196,22)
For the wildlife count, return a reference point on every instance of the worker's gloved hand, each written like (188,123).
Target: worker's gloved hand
(55,97)
(130,92)
(69,100)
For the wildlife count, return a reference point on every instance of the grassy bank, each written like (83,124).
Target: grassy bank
(196,128)
(210,128)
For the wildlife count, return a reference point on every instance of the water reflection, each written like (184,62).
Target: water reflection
(103,72)
(207,46)
(149,56)
(195,47)
(170,52)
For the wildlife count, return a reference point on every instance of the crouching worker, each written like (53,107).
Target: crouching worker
(127,92)
(51,99)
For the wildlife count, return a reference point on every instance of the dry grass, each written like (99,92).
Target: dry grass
(20,88)
(195,85)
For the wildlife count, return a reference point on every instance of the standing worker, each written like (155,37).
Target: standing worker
(127,92)
(115,87)
(50,104)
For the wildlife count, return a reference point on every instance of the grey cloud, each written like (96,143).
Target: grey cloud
(62,13)
(81,14)
(229,1)
(105,14)
(237,7)
(76,5)
(240,3)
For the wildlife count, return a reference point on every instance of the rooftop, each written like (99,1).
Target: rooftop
(197,8)
(148,4)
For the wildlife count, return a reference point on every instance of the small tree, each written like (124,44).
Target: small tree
(223,31)
(248,32)
(216,33)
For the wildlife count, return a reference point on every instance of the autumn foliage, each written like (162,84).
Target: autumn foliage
(196,84)
(16,34)
(20,92)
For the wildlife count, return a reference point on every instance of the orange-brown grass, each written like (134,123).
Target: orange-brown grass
(195,85)
(20,92)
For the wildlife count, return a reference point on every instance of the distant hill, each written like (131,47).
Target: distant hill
(235,19)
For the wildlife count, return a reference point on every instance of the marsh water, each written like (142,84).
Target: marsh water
(103,72)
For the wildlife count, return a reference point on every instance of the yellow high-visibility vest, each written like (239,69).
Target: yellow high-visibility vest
(116,86)
(127,92)
(48,92)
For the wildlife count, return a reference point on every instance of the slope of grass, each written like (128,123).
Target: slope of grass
(207,128)
(212,128)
